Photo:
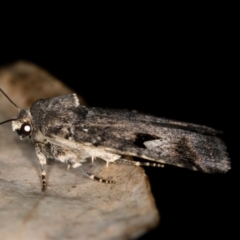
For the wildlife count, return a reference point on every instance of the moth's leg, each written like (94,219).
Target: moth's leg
(69,165)
(136,163)
(91,176)
(104,155)
(72,164)
(44,186)
(42,160)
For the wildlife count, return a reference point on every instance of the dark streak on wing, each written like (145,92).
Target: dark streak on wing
(187,155)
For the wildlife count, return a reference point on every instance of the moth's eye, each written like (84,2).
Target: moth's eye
(25,129)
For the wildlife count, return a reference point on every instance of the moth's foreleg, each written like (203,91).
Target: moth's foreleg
(93,177)
(42,160)
(136,163)
(44,185)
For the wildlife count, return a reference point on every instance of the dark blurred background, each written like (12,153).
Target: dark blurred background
(178,69)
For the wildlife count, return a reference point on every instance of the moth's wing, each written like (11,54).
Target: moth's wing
(127,133)
(170,142)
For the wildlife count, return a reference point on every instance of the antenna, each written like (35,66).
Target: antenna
(9,99)
(9,120)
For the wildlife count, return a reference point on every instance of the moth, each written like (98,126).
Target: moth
(62,129)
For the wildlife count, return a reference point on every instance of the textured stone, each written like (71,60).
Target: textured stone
(73,207)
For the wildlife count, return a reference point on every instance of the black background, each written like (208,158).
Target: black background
(178,69)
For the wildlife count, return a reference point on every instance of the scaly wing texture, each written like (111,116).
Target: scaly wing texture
(180,144)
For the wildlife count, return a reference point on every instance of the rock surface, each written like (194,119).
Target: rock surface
(73,207)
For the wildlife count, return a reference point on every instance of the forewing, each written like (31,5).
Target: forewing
(128,133)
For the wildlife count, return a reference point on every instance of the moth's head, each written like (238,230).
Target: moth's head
(23,124)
